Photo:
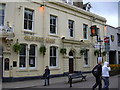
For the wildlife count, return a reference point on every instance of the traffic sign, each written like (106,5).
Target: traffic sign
(106,40)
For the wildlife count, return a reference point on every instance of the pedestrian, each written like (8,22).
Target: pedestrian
(97,72)
(47,76)
(105,75)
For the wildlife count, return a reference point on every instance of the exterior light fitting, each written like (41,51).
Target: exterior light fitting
(41,5)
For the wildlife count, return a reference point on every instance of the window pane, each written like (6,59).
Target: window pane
(1,20)
(52,61)
(2,10)
(50,51)
(85,27)
(25,24)
(28,19)
(31,16)
(31,61)
(26,15)
(23,50)
(32,50)
(22,61)
(32,56)
(30,25)
(53,56)
(54,51)
(71,27)
(53,24)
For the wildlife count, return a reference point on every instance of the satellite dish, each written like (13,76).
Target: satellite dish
(87,6)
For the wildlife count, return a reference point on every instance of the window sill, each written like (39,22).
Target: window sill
(54,68)
(86,66)
(53,35)
(28,32)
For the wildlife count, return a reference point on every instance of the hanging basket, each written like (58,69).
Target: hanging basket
(104,53)
(42,49)
(16,47)
(96,52)
(63,51)
(82,51)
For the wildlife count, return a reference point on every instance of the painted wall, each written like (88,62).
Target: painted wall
(41,29)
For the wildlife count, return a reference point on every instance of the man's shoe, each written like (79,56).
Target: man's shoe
(44,85)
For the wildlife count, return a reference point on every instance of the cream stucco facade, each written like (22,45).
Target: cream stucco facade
(40,34)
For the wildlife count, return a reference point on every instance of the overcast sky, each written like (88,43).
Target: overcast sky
(108,9)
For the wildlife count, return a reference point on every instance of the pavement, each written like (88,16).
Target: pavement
(61,82)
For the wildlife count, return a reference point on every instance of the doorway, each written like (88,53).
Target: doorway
(71,62)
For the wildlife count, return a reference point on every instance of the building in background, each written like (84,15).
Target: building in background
(114,44)
(54,34)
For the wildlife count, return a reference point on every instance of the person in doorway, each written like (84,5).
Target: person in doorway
(105,75)
(97,72)
(47,76)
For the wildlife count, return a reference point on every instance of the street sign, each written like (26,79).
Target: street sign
(106,40)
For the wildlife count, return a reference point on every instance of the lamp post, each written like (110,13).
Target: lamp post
(99,40)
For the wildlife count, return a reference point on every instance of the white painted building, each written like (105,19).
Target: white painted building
(114,40)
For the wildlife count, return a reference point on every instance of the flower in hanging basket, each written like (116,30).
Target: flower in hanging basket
(104,53)
(63,51)
(96,52)
(82,51)
(16,47)
(43,49)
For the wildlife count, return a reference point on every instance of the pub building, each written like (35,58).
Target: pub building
(36,34)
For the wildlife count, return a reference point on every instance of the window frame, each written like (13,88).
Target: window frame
(118,41)
(25,58)
(33,17)
(84,56)
(73,29)
(85,31)
(56,26)
(3,14)
(56,57)
(34,57)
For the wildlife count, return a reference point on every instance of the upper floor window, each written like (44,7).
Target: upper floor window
(27,58)
(119,40)
(53,24)
(22,56)
(53,56)
(32,56)
(2,14)
(86,57)
(28,19)
(71,28)
(69,1)
(85,31)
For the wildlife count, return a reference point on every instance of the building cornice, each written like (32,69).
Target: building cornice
(79,10)
(70,7)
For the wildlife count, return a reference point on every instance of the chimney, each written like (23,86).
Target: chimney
(78,3)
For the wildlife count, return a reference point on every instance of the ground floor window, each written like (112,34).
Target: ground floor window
(22,56)
(32,56)
(53,56)
(27,57)
(86,62)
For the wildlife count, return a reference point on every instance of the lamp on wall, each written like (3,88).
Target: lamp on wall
(63,37)
(41,5)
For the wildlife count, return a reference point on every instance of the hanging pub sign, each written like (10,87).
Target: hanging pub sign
(112,38)
(93,30)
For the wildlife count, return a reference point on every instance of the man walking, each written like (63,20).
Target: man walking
(105,75)
(97,72)
(47,75)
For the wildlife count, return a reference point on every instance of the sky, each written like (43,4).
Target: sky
(107,9)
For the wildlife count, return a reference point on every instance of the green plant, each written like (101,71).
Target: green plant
(82,51)
(63,51)
(96,52)
(104,53)
(16,47)
(43,49)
